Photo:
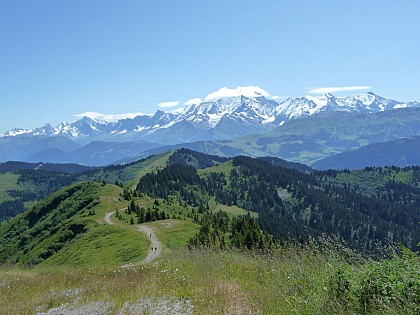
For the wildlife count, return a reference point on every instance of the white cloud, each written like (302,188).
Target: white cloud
(177,110)
(326,90)
(276,97)
(169,104)
(108,117)
(248,91)
(193,101)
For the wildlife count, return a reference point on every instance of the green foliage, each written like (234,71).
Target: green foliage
(220,231)
(383,285)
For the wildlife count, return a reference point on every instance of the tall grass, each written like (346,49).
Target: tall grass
(288,281)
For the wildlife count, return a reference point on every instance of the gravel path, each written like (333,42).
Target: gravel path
(155,247)
(108,217)
(98,308)
(149,306)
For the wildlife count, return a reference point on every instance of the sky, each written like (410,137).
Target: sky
(60,59)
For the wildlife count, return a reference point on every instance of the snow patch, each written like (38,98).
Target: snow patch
(268,119)
(98,117)
(139,128)
(16,132)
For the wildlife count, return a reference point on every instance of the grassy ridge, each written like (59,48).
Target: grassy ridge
(68,229)
(126,174)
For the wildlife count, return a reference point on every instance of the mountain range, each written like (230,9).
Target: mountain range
(97,142)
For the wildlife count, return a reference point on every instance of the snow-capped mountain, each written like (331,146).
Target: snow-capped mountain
(223,114)
(310,105)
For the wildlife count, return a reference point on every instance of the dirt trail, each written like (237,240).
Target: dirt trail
(108,217)
(155,247)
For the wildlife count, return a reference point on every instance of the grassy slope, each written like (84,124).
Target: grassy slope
(292,280)
(8,181)
(173,234)
(233,210)
(103,245)
(224,168)
(372,180)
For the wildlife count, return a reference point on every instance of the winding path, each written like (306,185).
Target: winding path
(156,246)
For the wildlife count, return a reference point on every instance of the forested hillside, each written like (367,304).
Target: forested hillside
(366,207)
(293,205)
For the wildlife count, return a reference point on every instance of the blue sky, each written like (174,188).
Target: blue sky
(63,58)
